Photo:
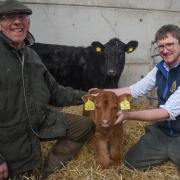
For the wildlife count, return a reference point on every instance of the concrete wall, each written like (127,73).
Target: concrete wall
(79,22)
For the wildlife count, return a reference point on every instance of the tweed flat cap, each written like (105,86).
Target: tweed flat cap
(13,6)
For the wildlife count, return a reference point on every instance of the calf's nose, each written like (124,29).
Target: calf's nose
(104,121)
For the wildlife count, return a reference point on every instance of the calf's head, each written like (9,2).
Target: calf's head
(104,107)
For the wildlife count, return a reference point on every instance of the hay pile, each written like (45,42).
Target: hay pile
(86,167)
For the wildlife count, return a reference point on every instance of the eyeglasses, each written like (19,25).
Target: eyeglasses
(13,17)
(168,46)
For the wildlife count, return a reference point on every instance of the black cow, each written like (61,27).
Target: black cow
(83,68)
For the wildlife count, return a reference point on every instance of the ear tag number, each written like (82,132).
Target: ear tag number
(125,104)
(89,105)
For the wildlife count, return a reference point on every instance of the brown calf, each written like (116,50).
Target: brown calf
(108,137)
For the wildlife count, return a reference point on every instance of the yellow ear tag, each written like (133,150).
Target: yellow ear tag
(98,49)
(125,104)
(89,105)
(130,50)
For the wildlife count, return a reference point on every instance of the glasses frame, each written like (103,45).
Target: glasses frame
(13,17)
(169,46)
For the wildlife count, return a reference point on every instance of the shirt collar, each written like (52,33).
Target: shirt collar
(167,67)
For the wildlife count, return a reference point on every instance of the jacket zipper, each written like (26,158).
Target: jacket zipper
(24,92)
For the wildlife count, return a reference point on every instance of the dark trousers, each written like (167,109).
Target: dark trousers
(80,128)
(153,148)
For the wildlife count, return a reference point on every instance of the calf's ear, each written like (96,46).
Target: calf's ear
(125,97)
(124,102)
(131,46)
(129,97)
(87,97)
(88,102)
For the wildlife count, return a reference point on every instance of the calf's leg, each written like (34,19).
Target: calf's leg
(116,143)
(101,148)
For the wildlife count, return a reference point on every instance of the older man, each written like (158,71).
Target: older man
(26,89)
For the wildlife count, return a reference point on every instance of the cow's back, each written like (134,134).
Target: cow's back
(63,62)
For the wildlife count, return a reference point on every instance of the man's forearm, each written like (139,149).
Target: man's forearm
(147,115)
(120,91)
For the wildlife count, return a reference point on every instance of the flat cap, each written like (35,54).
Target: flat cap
(13,6)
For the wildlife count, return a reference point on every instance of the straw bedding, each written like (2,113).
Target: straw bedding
(86,167)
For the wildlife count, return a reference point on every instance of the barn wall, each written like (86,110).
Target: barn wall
(79,22)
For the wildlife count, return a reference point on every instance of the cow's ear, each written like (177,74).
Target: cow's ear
(131,46)
(97,46)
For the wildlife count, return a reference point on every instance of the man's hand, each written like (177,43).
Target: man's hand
(121,117)
(3,171)
(94,91)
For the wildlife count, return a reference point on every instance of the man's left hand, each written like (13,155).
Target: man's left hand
(121,117)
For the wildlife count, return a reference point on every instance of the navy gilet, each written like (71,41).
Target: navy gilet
(167,82)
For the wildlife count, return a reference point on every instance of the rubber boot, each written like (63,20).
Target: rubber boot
(62,152)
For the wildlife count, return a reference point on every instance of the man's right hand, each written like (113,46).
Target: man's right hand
(3,171)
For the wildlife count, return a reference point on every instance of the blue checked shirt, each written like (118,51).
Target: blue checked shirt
(145,85)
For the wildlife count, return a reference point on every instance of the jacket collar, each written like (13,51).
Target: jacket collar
(29,40)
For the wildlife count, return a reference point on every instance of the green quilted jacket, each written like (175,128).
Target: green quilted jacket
(26,90)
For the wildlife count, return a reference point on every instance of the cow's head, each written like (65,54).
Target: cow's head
(109,59)
(114,51)
(104,107)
